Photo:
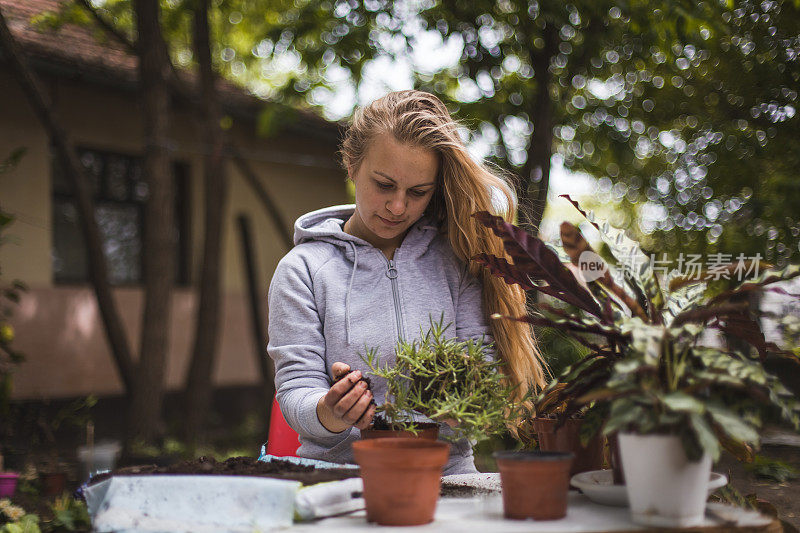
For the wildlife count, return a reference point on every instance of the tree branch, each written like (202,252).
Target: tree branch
(191,94)
(107,25)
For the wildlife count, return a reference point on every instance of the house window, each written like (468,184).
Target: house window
(119,193)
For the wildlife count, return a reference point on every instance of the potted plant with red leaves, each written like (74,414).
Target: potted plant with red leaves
(612,302)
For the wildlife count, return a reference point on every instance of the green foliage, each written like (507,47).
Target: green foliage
(731,496)
(36,424)
(687,109)
(559,349)
(708,397)
(10,294)
(772,469)
(443,379)
(12,160)
(69,514)
(653,374)
(14,519)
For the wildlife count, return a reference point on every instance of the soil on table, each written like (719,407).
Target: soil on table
(784,497)
(462,491)
(240,466)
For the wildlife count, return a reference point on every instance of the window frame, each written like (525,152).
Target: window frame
(181,176)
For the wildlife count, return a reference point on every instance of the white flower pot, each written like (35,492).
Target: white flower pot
(665,489)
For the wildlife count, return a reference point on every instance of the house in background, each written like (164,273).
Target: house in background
(93,87)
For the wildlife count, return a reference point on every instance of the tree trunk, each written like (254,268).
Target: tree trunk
(199,383)
(535,182)
(159,236)
(65,151)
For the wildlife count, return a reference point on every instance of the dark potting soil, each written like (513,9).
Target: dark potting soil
(379,422)
(239,466)
(460,491)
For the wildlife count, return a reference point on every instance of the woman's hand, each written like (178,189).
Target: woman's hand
(347,403)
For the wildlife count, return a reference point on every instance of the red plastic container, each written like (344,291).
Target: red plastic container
(282,440)
(8,484)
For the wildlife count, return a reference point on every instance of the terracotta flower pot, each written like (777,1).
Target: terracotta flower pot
(567,439)
(402,478)
(8,484)
(535,484)
(427,430)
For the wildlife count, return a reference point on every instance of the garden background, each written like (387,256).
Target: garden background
(157,153)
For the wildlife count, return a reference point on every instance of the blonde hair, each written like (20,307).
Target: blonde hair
(464,186)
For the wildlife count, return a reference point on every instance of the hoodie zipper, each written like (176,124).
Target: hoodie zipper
(391,273)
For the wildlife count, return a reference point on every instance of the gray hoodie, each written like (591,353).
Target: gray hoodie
(334,294)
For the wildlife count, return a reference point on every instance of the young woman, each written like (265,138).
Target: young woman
(364,276)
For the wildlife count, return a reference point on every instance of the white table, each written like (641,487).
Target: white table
(484,514)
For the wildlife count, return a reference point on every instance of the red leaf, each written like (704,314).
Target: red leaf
(531,255)
(503,269)
(745,327)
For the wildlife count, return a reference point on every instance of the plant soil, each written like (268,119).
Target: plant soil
(379,422)
(461,491)
(239,466)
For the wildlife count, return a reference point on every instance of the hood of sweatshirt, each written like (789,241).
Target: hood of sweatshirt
(327,225)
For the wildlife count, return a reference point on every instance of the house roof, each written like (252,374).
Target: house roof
(94,56)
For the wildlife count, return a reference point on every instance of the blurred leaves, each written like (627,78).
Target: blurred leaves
(685,112)
(12,160)
(772,469)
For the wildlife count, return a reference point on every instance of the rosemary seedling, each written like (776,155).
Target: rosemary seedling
(445,379)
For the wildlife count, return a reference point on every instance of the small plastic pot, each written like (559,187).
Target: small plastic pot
(426,430)
(402,478)
(567,439)
(8,484)
(535,484)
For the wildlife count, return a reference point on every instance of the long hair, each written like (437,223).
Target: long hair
(464,186)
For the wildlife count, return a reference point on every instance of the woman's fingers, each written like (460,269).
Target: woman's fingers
(339,369)
(349,400)
(366,419)
(359,408)
(340,389)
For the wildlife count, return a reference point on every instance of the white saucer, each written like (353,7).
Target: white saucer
(598,486)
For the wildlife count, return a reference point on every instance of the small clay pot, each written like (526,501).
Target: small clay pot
(8,484)
(535,484)
(567,439)
(402,478)
(53,483)
(426,430)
